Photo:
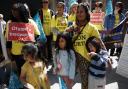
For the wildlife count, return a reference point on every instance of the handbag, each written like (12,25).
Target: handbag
(14,81)
(42,37)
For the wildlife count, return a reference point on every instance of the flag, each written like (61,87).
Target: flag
(109,7)
(115,35)
(42,37)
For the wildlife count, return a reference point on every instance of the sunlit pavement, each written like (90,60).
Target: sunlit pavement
(114,81)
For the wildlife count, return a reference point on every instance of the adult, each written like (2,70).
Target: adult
(46,16)
(72,13)
(112,21)
(82,30)
(20,14)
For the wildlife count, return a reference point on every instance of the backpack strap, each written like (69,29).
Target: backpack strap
(41,14)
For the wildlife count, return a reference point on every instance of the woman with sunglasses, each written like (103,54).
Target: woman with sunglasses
(46,16)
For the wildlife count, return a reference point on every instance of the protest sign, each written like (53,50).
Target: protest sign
(97,18)
(21,32)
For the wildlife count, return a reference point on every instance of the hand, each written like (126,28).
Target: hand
(91,54)
(28,86)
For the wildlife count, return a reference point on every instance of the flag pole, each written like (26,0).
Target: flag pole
(3,46)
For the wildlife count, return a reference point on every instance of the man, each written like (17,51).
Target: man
(46,16)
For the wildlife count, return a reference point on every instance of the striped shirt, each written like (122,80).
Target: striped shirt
(98,64)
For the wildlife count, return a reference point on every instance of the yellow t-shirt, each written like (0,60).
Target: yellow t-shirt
(16,45)
(34,73)
(61,23)
(47,21)
(117,20)
(72,18)
(79,45)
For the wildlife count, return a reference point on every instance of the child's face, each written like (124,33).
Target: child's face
(62,43)
(28,58)
(60,8)
(91,48)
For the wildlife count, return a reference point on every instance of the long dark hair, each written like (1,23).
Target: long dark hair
(94,41)
(86,9)
(67,39)
(120,5)
(23,11)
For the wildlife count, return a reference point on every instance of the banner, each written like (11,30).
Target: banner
(122,68)
(21,32)
(115,35)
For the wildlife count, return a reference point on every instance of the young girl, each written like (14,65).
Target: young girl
(33,73)
(97,68)
(59,21)
(64,60)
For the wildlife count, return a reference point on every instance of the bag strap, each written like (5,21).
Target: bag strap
(78,35)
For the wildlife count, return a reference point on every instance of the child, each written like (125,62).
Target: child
(59,21)
(97,69)
(64,60)
(33,73)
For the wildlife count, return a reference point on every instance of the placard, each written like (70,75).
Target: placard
(21,32)
(97,18)
(122,68)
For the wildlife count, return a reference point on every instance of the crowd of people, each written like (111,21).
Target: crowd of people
(73,44)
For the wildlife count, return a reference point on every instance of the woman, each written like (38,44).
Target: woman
(20,14)
(112,21)
(81,32)
(72,13)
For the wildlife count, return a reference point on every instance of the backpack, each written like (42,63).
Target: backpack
(41,14)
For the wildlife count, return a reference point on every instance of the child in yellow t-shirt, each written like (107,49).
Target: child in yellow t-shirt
(33,73)
(59,21)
